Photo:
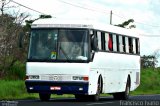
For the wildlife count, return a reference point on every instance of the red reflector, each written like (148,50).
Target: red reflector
(55,88)
(85,78)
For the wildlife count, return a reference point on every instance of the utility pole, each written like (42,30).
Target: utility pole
(111,17)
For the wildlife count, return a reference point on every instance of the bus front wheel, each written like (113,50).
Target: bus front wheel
(44,96)
(99,88)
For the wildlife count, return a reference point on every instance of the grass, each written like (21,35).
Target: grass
(15,89)
(150,82)
(10,90)
(15,72)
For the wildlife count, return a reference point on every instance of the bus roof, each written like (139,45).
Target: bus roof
(59,23)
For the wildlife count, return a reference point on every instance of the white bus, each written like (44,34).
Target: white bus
(82,58)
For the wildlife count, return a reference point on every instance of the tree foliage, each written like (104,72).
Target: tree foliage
(29,22)
(10,27)
(148,61)
(126,23)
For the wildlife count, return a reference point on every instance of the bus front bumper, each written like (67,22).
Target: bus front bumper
(57,87)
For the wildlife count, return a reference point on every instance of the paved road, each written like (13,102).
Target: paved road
(142,100)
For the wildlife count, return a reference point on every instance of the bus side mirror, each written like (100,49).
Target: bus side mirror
(21,36)
(94,43)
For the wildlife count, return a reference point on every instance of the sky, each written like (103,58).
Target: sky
(146,14)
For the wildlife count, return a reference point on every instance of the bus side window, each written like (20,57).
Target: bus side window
(106,41)
(94,42)
(124,44)
(99,40)
(130,45)
(110,42)
(137,46)
(103,40)
(120,44)
(134,46)
(114,43)
(127,45)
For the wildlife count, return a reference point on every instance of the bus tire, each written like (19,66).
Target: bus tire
(99,88)
(78,97)
(123,95)
(44,96)
(81,97)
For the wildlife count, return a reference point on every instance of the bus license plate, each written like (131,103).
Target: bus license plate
(55,88)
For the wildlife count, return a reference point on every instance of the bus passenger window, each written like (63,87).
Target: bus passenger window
(99,40)
(134,46)
(137,46)
(130,45)
(106,41)
(114,43)
(110,42)
(124,44)
(127,45)
(120,44)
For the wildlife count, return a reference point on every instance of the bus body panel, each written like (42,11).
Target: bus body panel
(115,69)
(34,68)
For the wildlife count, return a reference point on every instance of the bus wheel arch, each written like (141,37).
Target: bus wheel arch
(124,95)
(99,89)
(100,79)
(129,80)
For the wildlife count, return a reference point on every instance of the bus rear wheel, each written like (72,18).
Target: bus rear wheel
(44,96)
(123,95)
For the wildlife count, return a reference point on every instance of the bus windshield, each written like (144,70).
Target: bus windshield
(58,44)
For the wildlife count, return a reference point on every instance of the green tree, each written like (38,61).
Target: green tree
(29,22)
(126,23)
(148,61)
(10,27)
